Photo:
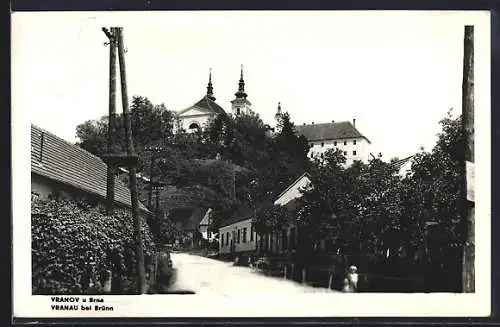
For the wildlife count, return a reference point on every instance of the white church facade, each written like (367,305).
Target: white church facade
(199,115)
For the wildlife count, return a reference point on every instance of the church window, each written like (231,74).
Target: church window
(194,126)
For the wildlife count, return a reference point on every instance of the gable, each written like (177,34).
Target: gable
(293,191)
(195,111)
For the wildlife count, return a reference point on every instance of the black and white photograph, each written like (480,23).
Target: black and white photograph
(264,163)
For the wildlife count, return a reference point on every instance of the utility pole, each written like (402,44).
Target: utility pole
(110,185)
(154,151)
(141,282)
(468,269)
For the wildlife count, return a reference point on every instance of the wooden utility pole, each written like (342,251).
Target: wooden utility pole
(141,282)
(154,151)
(110,186)
(468,269)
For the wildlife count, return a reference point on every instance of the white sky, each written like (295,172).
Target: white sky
(397,73)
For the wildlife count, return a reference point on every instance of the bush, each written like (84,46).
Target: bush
(71,239)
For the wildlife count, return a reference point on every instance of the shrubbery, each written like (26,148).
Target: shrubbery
(72,237)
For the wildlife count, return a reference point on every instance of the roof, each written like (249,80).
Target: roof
(244,212)
(293,184)
(69,164)
(398,165)
(205,105)
(190,218)
(329,131)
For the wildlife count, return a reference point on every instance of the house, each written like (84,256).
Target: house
(187,220)
(286,239)
(199,115)
(237,234)
(336,135)
(204,226)
(403,166)
(60,169)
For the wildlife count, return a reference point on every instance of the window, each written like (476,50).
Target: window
(194,126)
(345,153)
(239,234)
(335,143)
(222,240)
(354,142)
(312,144)
(238,110)
(244,235)
(312,154)
(353,153)
(227,238)
(322,156)
(251,233)
(209,234)
(322,144)
(345,142)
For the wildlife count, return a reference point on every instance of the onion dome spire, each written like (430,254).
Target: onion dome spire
(210,89)
(241,86)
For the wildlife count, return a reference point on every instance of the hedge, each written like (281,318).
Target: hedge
(70,237)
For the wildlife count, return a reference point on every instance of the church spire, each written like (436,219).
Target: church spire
(210,89)
(277,116)
(241,87)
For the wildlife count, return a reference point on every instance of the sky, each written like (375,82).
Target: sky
(396,73)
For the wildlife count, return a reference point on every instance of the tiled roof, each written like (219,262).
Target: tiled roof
(244,212)
(189,218)
(71,165)
(329,131)
(205,105)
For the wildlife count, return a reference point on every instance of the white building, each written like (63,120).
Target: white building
(199,115)
(237,234)
(336,135)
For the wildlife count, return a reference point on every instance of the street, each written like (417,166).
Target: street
(208,276)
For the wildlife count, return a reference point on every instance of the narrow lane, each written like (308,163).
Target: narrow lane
(208,276)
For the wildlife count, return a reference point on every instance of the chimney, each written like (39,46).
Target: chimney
(354,122)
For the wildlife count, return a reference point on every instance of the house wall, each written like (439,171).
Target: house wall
(42,189)
(248,244)
(46,188)
(362,148)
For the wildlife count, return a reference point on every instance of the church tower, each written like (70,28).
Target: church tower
(210,88)
(240,105)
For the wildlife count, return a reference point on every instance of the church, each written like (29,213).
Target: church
(343,135)
(199,115)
